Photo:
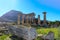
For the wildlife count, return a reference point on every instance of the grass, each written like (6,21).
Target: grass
(45,31)
(3,37)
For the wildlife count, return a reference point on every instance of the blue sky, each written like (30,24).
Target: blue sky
(52,7)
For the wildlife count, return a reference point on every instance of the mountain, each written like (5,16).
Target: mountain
(11,15)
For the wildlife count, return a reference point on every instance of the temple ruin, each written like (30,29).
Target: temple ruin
(30,19)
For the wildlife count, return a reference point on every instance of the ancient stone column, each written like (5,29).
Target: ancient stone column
(38,19)
(32,18)
(27,19)
(23,19)
(18,22)
(44,17)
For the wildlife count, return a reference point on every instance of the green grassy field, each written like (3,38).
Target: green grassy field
(46,30)
(3,37)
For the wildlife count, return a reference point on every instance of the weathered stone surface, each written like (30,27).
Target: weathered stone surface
(24,32)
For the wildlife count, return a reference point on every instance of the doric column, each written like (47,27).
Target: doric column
(38,19)
(34,20)
(44,17)
(30,19)
(18,21)
(23,19)
(27,19)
